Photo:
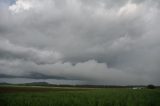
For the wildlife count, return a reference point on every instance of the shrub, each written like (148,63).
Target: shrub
(151,86)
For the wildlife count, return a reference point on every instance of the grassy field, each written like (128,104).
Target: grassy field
(41,96)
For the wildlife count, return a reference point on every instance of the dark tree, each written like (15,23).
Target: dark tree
(151,86)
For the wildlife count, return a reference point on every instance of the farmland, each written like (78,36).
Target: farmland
(63,96)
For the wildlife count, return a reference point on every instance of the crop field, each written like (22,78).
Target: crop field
(48,96)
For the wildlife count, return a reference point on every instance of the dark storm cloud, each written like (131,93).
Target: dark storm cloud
(110,41)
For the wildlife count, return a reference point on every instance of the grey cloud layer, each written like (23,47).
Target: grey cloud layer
(95,40)
(11,51)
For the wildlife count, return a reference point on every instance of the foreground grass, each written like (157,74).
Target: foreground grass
(81,97)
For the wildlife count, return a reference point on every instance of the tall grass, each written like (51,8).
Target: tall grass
(96,97)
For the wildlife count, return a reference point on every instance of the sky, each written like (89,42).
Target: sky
(114,42)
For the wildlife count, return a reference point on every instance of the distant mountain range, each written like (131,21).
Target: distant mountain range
(88,86)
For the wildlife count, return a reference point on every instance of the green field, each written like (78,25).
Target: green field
(37,96)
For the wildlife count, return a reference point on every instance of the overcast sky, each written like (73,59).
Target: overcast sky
(90,41)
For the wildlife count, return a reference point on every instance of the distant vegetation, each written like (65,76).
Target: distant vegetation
(151,86)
